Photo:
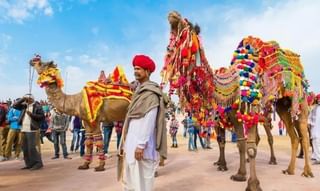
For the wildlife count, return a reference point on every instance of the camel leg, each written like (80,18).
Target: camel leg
(303,129)
(257,142)
(296,124)
(267,128)
(221,139)
(98,140)
(253,182)
(241,143)
(88,154)
(282,110)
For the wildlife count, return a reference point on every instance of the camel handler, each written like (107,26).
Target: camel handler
(314,121)
(144,131)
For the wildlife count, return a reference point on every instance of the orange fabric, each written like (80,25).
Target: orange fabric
(95,92)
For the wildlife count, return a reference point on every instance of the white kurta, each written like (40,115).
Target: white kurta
(26,123)
(142,134)
(139,175)
(314,120)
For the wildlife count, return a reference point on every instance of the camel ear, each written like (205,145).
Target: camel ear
(52,64)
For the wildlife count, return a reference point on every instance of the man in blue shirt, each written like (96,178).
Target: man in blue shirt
(14,133)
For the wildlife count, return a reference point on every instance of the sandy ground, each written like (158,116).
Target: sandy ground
(184,170)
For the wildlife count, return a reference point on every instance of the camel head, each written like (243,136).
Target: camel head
(48,72)
(174,19)
(182,48)
(41,66)
(183,33)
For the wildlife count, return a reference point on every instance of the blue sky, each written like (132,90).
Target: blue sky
(86,36)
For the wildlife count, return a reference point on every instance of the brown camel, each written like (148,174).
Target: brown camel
(237,100)
(74,105)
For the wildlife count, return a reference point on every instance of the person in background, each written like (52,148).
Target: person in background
(118,126)
(197,130)
(3,129)
(174,126)
(14,135)
(31,116)
(281,127)
(59,125)
(107,132)
(314,121)
(190,129)
(82,139)
(76,126)
(44,128)
(185,126)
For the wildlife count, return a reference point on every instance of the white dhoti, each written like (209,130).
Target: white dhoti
(316,149)
(139,176)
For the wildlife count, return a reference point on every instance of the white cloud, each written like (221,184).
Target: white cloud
(96,61)
(48,11)
(21,10)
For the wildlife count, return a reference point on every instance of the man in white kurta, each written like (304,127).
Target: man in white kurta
(314,121)
(144,132)
(139,175)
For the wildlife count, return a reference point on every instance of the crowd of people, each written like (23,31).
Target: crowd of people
(24,123)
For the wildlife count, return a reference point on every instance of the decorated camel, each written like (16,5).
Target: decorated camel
(260,74)
(97,102)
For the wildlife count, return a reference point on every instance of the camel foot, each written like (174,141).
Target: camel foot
(253,185)
(85,166)
(287,172)
(273,161)
(238,178)
(222,168)
(307,174)
(218,163)
(161,163)
(99,168)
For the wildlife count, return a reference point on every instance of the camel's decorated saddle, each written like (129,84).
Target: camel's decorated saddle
(116,86)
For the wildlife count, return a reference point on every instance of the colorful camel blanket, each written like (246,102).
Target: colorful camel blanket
(95,92)
(226,84)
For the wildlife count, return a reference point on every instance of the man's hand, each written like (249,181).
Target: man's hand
(138,154)
(29,113)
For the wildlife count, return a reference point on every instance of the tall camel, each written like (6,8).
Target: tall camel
(74,105)
(249,83)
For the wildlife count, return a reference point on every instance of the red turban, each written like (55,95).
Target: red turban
(318,97)
(144,62)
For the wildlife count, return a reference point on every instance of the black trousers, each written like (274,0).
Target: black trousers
(30,153)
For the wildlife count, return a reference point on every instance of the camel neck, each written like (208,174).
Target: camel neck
(68,104)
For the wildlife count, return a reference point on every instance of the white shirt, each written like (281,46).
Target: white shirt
(26,123)
(142,134)
(315,122)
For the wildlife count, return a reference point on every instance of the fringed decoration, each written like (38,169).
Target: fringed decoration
(49,76)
